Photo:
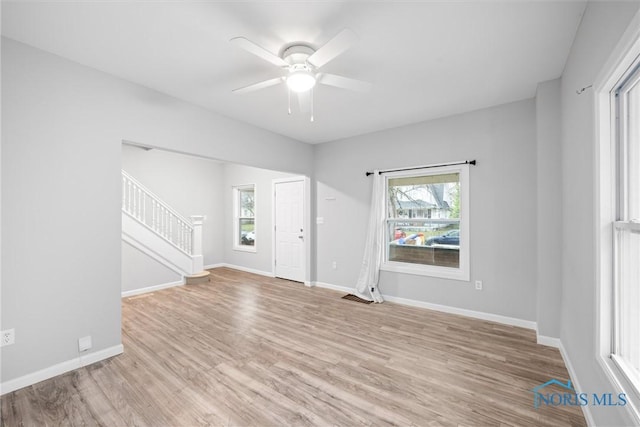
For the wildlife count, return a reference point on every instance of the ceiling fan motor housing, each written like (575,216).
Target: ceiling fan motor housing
(297,54)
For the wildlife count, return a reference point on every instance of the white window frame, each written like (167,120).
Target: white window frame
(237,246)
(461,273)
(621,62)
(624,223)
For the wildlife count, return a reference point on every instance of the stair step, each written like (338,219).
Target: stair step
(198,278)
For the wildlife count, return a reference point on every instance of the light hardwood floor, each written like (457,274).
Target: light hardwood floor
(246,350)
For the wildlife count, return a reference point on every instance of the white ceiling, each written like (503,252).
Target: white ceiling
(425,59)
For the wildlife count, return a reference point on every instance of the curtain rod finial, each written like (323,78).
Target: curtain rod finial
(579,91)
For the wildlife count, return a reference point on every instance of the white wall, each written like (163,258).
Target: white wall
(194,185)
(234,175)
(63,125)
(503,205)
(140,271)
(549,207)
(601,28)
(191,185)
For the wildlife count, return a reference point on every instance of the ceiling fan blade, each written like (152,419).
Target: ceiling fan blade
(304,101)
(343,82)
(259,85)
(334,47)
(258,51)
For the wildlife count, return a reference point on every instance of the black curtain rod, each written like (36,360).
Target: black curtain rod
(466,162)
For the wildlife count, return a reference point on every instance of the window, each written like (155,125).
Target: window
(245,218)
(617,225)
(427,224)
(625,350)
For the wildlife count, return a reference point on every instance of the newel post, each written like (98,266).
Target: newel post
(198,261)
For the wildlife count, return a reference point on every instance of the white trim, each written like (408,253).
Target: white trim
(158,200)
(149,237)
(463,271)
(126,294)
(236,218)
(245,269)
(586,410)
(442,272)
(333,287)
(623,56)
(289,179)
(59,369)
(611,369)
(210,266)
(156,233)
(245,248)
(548,341)
(511,321)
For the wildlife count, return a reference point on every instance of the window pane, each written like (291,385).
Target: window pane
(425,243)
(626,321)
(247,232)
(244,218)
(423,226)
(628,296)
(246,203)
(428,196)
(633,147)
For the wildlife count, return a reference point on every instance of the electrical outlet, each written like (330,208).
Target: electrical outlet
(478,285)
(334,265)
(8,337)
(84,343)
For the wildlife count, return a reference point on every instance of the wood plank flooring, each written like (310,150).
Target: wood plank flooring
(246,350)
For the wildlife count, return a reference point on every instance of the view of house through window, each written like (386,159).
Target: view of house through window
(626,322)
(245,216)
(423,225)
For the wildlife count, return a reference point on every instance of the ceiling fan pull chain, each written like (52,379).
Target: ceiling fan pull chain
(289,99)
(311,105)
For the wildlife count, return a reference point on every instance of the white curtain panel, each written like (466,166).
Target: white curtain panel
(367,285)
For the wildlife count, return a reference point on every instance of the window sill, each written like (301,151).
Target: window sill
(621,384)
(426,270)
(245,249)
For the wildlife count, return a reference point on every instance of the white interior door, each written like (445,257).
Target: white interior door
(290,234)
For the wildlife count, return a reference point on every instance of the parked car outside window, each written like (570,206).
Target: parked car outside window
(451,237)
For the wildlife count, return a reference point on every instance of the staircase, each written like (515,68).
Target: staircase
(153,227)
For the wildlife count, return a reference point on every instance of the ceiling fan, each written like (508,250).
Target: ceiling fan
(301,63)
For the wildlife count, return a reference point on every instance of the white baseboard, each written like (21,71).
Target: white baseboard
(586,411)
(331,286)
(148,289)
(511,321)
(241,268)
(528,324)
(59,369)
(548,341)
(210,266)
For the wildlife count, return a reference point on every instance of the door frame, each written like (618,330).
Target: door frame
(306,215)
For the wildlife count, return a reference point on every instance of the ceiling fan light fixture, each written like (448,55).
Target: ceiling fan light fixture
(301,80)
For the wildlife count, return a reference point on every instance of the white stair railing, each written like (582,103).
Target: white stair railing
(148,209)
